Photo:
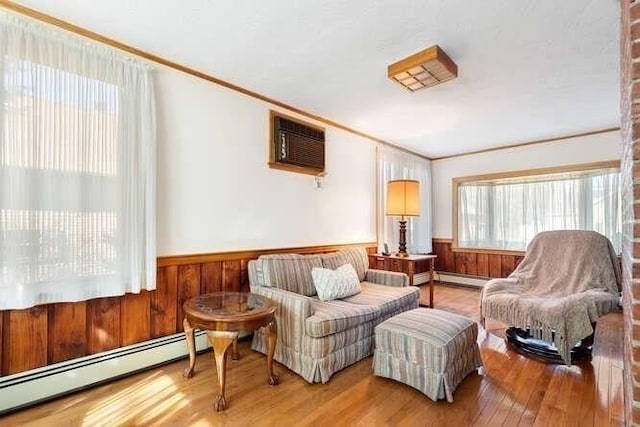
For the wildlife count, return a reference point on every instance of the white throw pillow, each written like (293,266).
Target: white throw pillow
(335,284)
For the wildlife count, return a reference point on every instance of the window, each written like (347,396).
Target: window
(505,211)
(77,170)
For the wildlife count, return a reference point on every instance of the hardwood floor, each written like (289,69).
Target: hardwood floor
(511,390)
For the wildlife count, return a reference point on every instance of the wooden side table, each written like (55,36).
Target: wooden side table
(410,265)
(223,315)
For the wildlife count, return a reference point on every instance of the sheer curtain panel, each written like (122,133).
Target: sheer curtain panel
(396,164)
(77,168)
(507,214)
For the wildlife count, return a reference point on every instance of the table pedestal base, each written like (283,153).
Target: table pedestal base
(220,342)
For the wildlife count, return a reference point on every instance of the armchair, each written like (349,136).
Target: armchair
(566,281)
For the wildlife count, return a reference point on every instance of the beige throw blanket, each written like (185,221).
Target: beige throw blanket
(566,281)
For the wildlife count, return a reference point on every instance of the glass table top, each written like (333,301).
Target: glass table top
(228,304)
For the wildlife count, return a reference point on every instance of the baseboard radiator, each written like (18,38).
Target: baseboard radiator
(451,279)
(41,384)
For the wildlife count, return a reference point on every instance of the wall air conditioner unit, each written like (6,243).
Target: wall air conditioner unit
(295,145)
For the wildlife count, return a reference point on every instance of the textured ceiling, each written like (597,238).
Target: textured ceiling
(528,69)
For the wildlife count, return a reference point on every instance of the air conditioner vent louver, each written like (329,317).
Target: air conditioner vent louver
(297,146)
(289,126)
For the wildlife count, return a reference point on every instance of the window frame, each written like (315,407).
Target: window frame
(455,183)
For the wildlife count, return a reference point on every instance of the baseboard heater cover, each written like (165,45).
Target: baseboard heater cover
(37,385)
(461,279)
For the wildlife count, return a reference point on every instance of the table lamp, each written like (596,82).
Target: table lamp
(403,199)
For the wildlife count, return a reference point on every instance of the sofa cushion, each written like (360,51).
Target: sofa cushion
(357,257)
(331,317)
(323,346)
(388,299)
(291,272)
(335,284)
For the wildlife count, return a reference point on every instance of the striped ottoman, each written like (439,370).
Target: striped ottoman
(430,350)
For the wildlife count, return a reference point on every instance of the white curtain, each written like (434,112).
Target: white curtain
(77,168)
(506,214)
(396,164)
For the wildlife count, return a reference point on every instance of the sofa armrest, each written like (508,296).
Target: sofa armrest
(387,278)
(293,310)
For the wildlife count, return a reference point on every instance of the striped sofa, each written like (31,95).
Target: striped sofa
(318,338)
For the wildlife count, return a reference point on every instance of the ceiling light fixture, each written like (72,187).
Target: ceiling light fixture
(424,69)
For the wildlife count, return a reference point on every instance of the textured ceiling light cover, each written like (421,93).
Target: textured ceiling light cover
(424,69)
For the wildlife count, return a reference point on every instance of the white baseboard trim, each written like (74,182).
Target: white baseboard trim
(37,385)
(420,278)
(461,279)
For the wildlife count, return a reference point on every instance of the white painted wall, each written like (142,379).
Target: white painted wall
(216,192)
(594,148)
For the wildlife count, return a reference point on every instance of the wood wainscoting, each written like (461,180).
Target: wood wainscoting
(492,264)
(511,390)
(51,333)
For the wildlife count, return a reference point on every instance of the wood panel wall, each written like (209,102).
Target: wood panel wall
(52,333)
(473,263)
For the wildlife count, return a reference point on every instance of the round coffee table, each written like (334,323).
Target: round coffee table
(222,315)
